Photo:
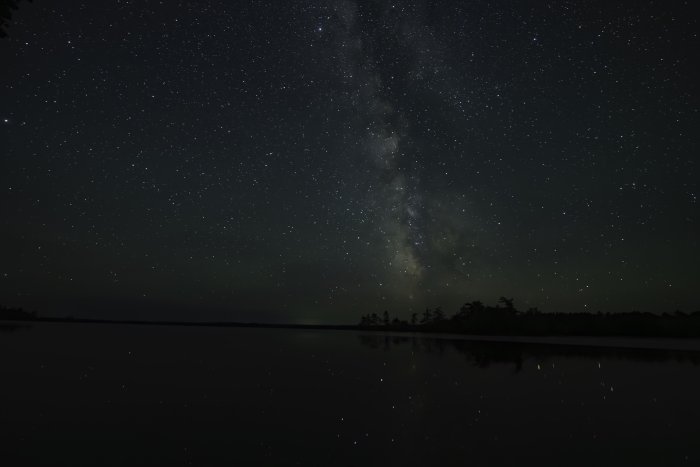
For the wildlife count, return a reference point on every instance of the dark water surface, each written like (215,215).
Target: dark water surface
(118,395)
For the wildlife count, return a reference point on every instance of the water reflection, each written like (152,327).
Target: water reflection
(12,327)
(79,394)
(484,354)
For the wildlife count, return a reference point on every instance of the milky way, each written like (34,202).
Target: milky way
(395,198)
(314,161)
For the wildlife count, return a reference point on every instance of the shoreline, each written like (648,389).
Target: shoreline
(686,344)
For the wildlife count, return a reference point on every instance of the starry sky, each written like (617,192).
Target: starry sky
(311,161)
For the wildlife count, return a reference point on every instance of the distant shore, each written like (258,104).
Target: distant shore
(691,344)
(231,324)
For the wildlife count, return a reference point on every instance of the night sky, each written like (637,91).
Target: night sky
(311,161)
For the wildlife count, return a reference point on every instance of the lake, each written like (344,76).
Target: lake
(127,395)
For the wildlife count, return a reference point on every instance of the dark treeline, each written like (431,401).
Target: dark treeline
(504,319)
(18,314)
(6,9)
(472,318)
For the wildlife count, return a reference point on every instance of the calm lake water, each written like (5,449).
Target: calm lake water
(120,395)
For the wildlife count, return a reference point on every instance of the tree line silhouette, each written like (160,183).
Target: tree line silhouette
(6,8)
(504,319)
(472,318)
(18,314)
